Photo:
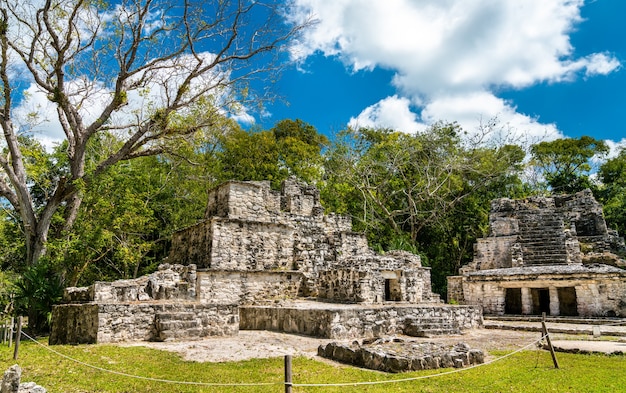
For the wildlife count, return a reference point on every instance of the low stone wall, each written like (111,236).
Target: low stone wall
(352,321)
(92,323)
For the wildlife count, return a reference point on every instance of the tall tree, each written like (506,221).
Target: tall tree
(565,163)
(612,173)
(131,68)
(428,192)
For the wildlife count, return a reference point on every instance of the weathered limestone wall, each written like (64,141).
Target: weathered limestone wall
(92,323)
(355,322)
(170,282)
(247,287)
(245,245)
(600,290)
(366,286)
(455,290)
(237,200)
(192,245)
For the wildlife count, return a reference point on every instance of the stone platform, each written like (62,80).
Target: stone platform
(346,321)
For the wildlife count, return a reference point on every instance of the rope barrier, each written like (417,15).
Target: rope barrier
(147,378)
(280,383)
(420,377)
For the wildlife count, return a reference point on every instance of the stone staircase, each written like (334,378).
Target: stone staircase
(543,239)
(175,325)
(430,326)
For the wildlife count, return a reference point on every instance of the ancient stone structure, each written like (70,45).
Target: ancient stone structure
(546,254)
(397,355)
(256,255)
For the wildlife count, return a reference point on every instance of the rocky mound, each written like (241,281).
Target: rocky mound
(396,355)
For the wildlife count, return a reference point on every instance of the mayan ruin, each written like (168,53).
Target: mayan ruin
(264,260)
(552,255)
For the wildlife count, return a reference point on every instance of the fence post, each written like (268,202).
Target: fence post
(288,383)
(18,337)
(11,331)
(544,330)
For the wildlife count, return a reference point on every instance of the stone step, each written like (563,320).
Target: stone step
(427,327)
(168,335)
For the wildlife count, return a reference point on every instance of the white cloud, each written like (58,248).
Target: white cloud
(615,147)
(450,56)
(391,112)
(472,109)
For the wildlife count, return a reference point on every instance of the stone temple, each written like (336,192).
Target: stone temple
(546,254)
(264,260)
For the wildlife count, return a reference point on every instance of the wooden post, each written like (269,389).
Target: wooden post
(11,331)
(288,384)
(18,337)
(544,330)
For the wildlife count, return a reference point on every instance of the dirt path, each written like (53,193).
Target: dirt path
(251,344)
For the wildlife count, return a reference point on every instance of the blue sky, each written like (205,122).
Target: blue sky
(546,69)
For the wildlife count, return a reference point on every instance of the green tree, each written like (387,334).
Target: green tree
(565,163)
(131,68)
(291,148)
(612,173)
(428,192)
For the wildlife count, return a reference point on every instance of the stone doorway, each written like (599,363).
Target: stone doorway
(568,306)
(513,301)
(541,300)
(392,290)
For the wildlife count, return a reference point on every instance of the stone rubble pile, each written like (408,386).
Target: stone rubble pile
(395,355)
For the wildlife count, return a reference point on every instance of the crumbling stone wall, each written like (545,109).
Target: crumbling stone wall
(397,276)
(159,306)
(169,282)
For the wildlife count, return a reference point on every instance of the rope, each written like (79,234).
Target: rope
(420,377)
(146,378)
(277,383)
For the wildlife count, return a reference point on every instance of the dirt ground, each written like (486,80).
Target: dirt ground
(251,344)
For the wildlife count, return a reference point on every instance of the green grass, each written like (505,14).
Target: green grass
(528,371)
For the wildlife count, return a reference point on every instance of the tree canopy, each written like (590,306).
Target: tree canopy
(133,69)
(565,163)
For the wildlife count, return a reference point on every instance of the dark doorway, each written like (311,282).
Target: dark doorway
(392,290)
(568,306)
(513,301)
(541,300)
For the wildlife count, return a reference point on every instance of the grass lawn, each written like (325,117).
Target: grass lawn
(527,371)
